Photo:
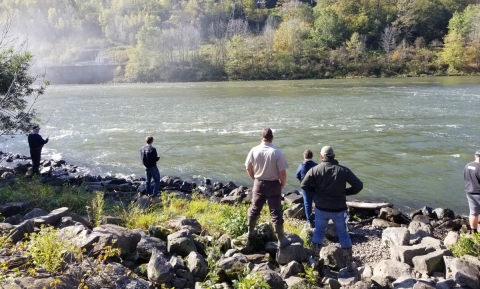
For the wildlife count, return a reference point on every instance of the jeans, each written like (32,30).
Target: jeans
(154,173)
(339,220)
(307,202)
(36,157)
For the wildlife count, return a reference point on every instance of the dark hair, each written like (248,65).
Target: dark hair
(308,154)
(149,139)
(267,134)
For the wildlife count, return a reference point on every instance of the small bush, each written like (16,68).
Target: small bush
(235,221)
(47,249)
(250,281)
(467,245)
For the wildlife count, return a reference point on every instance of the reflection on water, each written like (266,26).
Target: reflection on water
(407,139)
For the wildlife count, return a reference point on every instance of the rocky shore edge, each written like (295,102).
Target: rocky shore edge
(391,249)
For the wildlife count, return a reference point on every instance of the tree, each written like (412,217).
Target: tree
(453,50)
(17,92)
(388,41)
(356,46)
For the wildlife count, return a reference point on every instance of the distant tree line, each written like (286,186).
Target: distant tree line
(199,40)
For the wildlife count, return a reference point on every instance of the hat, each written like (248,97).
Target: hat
(477,153)
(327,151)
(35,126)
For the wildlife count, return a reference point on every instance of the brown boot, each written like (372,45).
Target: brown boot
(251,228)
(282,240)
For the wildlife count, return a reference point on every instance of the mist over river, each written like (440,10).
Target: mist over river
(407,139)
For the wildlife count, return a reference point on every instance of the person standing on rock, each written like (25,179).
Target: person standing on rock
(266,166)
(330,182)
(36,142)
(302,170)
(149,157)
(471,175)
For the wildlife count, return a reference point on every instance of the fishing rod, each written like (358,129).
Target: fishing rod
(170,148)
(56,123)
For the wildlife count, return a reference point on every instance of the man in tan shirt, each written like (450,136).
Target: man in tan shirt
(266,165)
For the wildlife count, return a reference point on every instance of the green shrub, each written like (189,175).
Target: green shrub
(235,221)
(467,245)
(97,208)
(249,281)
(47,249)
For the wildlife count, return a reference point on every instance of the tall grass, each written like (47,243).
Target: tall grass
(46,196)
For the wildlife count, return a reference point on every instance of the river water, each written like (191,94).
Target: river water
(407,139)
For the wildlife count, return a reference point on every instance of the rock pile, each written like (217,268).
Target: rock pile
(391,249)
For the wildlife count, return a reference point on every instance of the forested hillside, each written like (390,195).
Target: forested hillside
(198,40)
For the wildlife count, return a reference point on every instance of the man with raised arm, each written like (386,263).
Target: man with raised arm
(266,166)
(330,180)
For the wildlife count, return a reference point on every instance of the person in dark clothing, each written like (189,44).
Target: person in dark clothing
(36,142)
(471,176)
(149,157)
(302,170)
(330,180)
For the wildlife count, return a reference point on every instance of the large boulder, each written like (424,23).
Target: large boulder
(392,270)
(465,273)
(391,215)
(405,254)
(291,269)
(181,243)
(383,224)
(233,266)
(333,256)
(292,252)
(159,269)
(395,236)
(52,218)
(148,244)
(114,275)
(118,237)
(431,262)
(270,276)
(419,230)
(197,265)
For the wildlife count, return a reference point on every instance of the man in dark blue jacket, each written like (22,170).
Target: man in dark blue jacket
(302,170)
(36,142)
(330,181)
(149,157)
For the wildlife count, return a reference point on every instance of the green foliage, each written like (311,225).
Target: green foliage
(45,196)
(47,249)
(97,208)
(248,281)
(235,221)
(467,245)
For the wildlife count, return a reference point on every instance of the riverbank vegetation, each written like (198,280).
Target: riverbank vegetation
(203,40)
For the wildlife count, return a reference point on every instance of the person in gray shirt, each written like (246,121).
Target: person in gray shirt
(266,166)
(471,175)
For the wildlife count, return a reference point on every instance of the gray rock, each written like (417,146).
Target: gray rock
(114,276)
(347,278)
(18,233)
(291,269)
(422,219)
(451,238)
(382,224)
(10,209)
(293,199)
(272,278)
(118,237)
(197,265)
(35,213)
(391,215)
(361,285)
(419,230)
(233,266)
(178,282)
(395,236)
(465,273)
(424,284)
(431,262)
(14,220)
(333,256)
(147,244)
(296,211)
(392,270)
(192,225)
(225,243)
(295,282)
(444,213)
(292,252)
(159,269)
(453,224)
(52,218)
(404,283)
(181,243)
(8,176)
(445,284)
(231,200)
(332,283)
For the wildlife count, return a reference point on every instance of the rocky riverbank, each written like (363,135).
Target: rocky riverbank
(391,249)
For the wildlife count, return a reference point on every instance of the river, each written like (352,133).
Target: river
(407,139)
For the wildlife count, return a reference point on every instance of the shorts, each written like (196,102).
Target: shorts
(474,204)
